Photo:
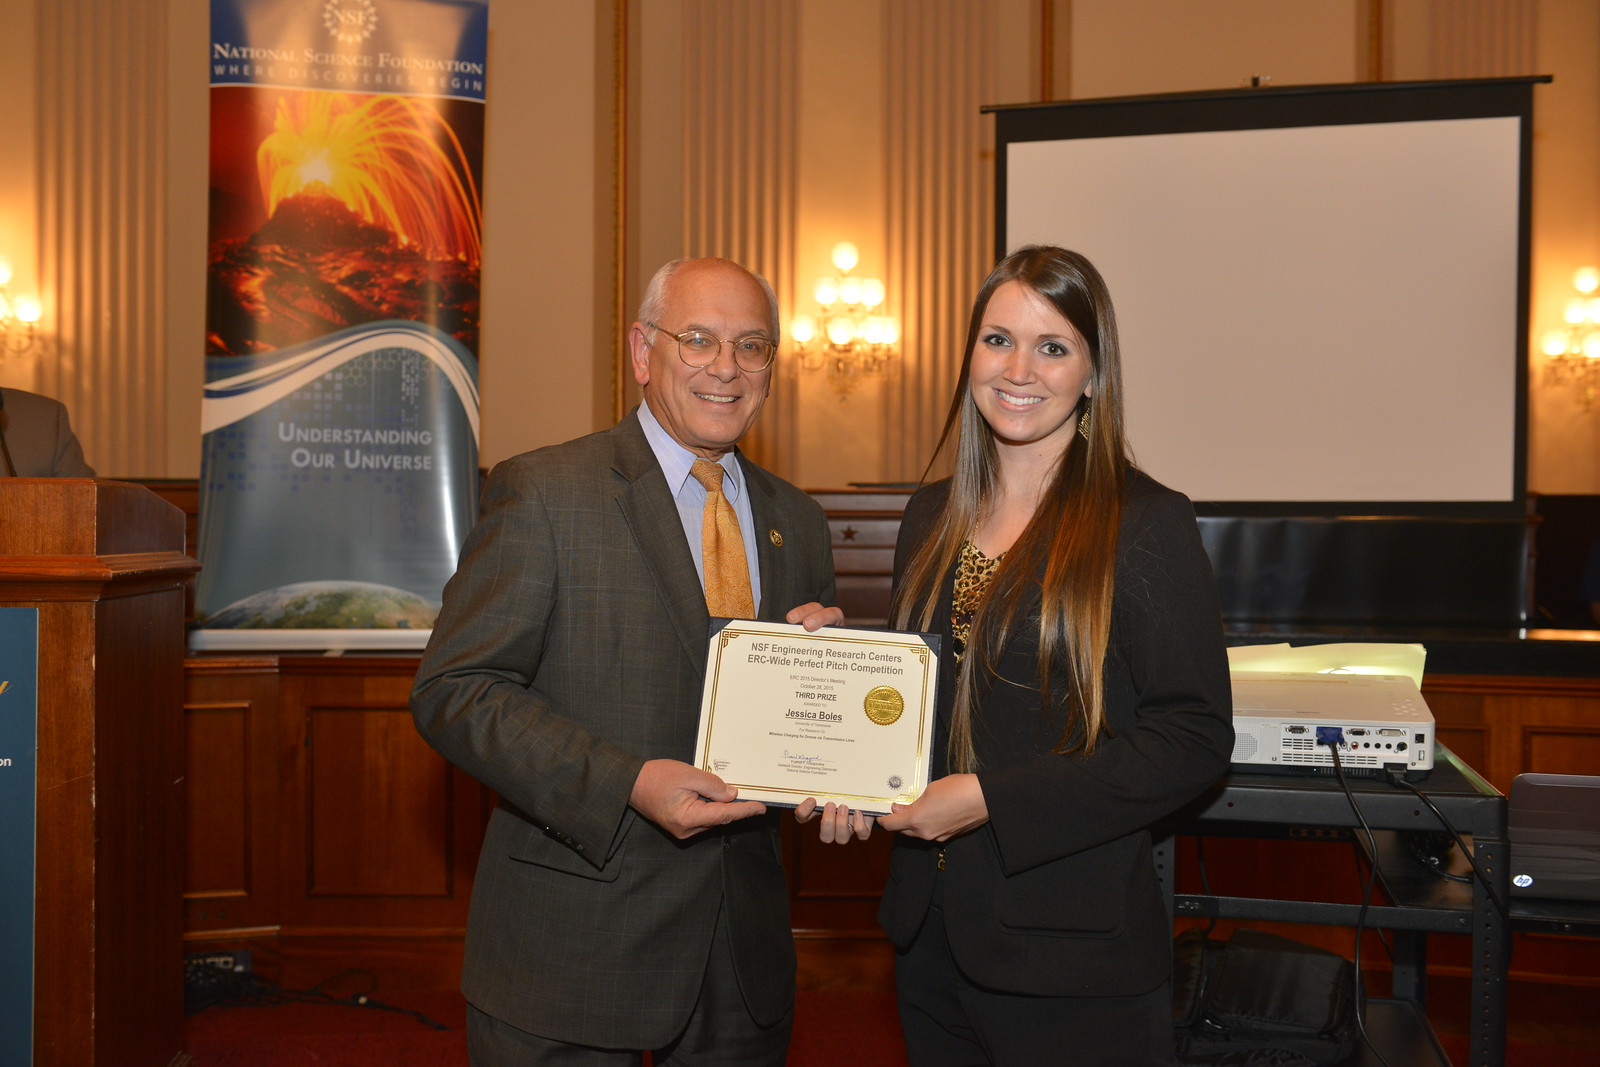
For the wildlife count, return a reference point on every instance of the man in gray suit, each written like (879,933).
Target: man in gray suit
(625,900)
(37,437)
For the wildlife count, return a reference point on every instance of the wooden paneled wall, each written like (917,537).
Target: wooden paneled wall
(1503,726)
(325,834)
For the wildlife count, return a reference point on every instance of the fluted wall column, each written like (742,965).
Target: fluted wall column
(1483,39)
(102,225)
(939,71)
(739,117)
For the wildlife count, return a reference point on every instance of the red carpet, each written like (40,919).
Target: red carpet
(330,1035)
(1524,1053)
(831,1029)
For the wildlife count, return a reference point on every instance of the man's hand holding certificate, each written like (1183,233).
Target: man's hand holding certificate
(841,715)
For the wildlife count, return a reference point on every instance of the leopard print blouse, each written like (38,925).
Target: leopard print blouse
(974,572)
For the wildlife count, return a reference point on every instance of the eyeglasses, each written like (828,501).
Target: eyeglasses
(698,349)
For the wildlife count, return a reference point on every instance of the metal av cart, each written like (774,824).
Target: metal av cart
(1410,901)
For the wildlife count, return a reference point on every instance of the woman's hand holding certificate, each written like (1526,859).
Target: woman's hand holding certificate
(950,806)
(839,824)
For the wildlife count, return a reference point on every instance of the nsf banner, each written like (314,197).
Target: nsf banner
(339,462)
(19,775)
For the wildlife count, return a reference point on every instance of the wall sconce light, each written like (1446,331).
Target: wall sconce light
(847,337)
(1573,351)
(18,314)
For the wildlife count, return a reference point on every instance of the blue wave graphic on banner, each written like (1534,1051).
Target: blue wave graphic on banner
(229,399)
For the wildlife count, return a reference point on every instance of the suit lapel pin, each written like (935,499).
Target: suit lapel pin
(776,538)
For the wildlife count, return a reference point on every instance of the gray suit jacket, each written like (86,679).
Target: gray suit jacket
(40,438)
(570,649)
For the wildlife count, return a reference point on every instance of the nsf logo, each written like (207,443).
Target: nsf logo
(351,21)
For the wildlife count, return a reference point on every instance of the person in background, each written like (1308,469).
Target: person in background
(625,900)
(37,437)
(1084,697)
(1589,583)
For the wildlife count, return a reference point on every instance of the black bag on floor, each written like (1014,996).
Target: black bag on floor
(1260,1000)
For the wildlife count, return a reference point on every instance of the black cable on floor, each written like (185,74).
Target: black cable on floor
(207,985)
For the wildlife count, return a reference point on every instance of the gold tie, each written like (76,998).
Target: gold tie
(722,549)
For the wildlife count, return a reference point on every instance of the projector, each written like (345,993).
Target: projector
(1285,723)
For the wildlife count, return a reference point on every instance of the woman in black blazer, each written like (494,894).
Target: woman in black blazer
(1090,699)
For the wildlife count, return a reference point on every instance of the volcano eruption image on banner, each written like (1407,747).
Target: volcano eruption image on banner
(340,418)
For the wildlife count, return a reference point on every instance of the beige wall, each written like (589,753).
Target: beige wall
(842,193)
(1220,44)
(546,188)
(549,199)
(1563,439)
(189,41)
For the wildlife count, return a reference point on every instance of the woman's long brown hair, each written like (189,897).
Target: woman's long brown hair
(1068,550)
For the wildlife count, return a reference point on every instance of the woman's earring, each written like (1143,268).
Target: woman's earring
(1083,420)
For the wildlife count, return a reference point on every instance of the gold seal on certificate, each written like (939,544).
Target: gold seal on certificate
(839,714)
(884,705)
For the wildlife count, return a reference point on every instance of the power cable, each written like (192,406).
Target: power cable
(208,984)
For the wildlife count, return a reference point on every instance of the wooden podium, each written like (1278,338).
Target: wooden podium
(103,563)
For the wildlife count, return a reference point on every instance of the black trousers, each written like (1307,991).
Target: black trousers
(950,1022)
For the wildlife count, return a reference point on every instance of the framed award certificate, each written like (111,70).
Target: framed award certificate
(837,714)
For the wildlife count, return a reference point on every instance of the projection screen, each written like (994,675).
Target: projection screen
(1321,291)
